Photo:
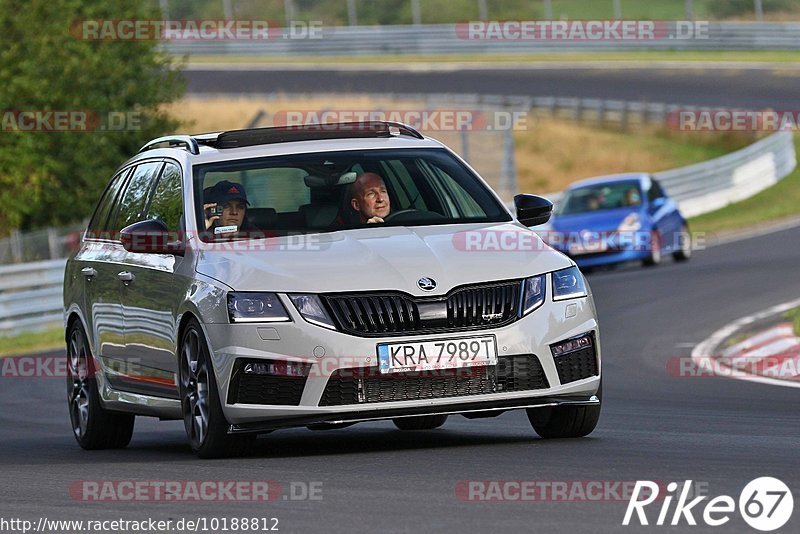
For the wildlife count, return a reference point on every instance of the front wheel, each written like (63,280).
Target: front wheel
(93,426)
(425,422)
(684,251)
(565,421)
(655,250)
(203,419)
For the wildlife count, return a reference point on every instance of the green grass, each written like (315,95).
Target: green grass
(698,56)
(781,201)
(552,154)
(794,316)
(30,342)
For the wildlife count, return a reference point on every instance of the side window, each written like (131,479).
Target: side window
(131,206)
(97,226)
(167,202)
(655,191)
(269,187)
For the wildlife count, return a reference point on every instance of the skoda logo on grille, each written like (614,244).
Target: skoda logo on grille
(426,284)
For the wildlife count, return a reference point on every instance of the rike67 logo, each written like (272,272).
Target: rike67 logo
(765,504)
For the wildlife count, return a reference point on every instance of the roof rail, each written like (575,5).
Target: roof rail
(187,141)
(403,129)
(311,132)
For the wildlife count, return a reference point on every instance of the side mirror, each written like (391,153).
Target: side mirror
(532,210)
(656,203)
(151,237)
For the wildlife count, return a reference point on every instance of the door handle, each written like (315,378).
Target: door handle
(126,276)
(89,272)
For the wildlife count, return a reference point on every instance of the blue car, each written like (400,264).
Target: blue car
(616,219)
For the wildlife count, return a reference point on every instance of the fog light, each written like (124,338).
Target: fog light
(572,345)
(290,369)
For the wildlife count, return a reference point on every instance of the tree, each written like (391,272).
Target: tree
(56,177)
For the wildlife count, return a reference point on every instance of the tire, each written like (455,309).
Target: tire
(655,250)
(205,424)
(425,422)
(684,251)
(93,426)
(556,422)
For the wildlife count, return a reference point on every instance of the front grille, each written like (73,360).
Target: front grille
(467,307)
(360,386)
(264,389)
(576,365)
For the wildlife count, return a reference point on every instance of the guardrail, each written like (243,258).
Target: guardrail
(711,185)
(451,39)
(40,245)
(31,295)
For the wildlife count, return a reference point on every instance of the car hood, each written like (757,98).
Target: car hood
(603,220)
(382,258)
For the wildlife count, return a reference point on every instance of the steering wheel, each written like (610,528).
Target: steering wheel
(397,213)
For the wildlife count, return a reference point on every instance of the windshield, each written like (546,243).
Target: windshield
(330,191)
(600,197)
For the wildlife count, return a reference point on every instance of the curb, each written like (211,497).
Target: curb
(770,354)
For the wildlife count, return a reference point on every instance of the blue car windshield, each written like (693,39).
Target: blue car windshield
(600,197)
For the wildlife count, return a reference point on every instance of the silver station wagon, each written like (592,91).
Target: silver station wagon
(319,276)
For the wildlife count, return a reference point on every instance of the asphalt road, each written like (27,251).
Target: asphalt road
(755,88)
(719,432)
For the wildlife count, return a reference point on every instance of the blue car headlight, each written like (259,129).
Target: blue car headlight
(568,284)
(533,293)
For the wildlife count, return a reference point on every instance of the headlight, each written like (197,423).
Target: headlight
(568,284)
(256,308)
(312,310)
(533,292)
(631,223)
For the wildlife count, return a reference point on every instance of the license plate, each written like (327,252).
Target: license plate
(437,354)
(576,249)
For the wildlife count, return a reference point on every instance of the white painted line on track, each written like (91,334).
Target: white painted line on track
(707,348)
(766,336)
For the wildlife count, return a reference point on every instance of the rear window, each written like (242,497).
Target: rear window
(331,191)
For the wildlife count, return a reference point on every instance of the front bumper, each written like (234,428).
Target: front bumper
(604,247)
(324,352)
(610,258)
